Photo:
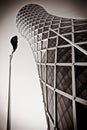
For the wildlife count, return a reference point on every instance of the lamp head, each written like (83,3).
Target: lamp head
(14,41)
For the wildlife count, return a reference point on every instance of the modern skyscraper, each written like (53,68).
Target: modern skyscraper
(59,46)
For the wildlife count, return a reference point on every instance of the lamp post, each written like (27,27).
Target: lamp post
(14,45)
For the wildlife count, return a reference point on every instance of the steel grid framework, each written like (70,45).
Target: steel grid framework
(59,46)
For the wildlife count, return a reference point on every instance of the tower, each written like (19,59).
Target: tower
(59,46)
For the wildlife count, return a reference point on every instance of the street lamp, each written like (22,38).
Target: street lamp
(13,41)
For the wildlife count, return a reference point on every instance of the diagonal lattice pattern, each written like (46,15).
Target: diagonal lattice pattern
(59,46)
(50,56)
(65,54)
(64,76)
(50,103)
(80,57)
(81,81)
(65,116)
(50,74)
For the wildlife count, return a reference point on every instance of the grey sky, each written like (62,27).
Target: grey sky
(67,8)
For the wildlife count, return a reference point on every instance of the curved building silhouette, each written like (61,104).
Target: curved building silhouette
(59,46)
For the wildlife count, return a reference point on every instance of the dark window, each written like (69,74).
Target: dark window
(64,55)
(44,35)
(64,113)
(55,21)
(52,42)
(66,24)
(69,37)
(81,111)
(50,102)
(65,30)
(51,56)
(80,37)
(52,34)
(54,26)
(50,75)
(45,28)
(61,41)
(64,79)
(81,81)
(80,56)
(80,21)
(80,27)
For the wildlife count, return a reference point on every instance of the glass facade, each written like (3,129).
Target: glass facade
(60,50)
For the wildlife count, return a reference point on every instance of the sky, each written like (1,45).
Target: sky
(27,109)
